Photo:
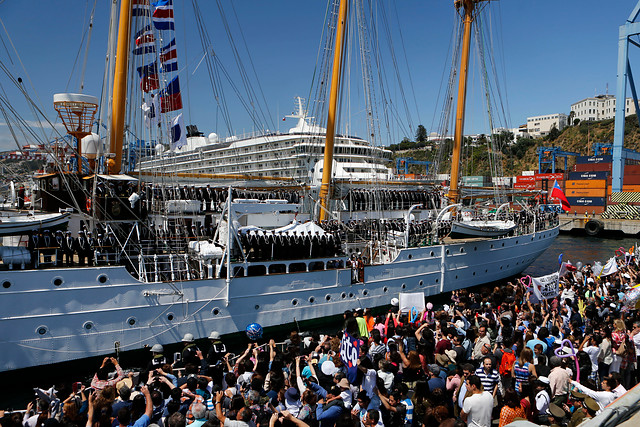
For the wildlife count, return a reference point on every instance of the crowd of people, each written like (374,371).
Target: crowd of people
(489,357)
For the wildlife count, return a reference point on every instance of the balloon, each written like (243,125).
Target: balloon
(254,331)
(395,302)
(579,265)
(526,281)
(414,314)
(558,351)
(429,306)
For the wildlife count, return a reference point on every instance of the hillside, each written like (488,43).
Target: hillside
(523,155)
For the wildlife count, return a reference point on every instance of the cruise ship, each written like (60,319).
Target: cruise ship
(296,155)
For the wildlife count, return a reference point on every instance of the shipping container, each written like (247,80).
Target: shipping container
(581,210)
(588,175)
(586,183)
(528,173)
(502,180)
(474,179)
(593,159)
(558,176)
(524,186)
(524,179)
(587,201)
(631,170)
(631,188)
(592,167)
(585,192)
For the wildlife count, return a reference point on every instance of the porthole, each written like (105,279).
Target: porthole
(475,248)
(447,251)
(42,330)
(343,295)
(215,311)
(385,289)
(500,267)
(365,292)
(88,325)
(461,250)
(486,271)
(507,265)
(420,283)
(294,302)
(437,280)
(170,317)
(516,242)
(431,253)
(6,284)
(327,297)
(131,321)
(351,295)
(410,256)
(103,278)
(503,244)
(312,300)
(57,281)
(474,273)
(404,286)
(456,277)
(256,307)
(492,246)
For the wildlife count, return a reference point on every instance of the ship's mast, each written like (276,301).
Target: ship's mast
(333,106)
(469,9)
(120,86)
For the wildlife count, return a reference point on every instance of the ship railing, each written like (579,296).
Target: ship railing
(169,267)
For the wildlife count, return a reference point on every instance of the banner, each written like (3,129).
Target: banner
(407,301)
(349,350)
(609,268)
(545,287)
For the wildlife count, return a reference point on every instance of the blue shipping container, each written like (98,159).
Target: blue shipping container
(594,159)
(587,201)
(588,175)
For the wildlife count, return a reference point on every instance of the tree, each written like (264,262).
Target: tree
(554,133)
(421,134)
(576,122)
(572,115)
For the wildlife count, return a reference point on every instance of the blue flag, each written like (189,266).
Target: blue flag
(349,350)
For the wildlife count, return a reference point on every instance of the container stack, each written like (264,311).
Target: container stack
(476,181)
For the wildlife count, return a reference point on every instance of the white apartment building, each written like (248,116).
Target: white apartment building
(600,107)
(541,125)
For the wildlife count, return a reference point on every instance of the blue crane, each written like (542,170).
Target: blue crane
(547,156)
(626,33)
(403,163)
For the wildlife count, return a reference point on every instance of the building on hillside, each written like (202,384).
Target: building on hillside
(541,125)
(519,132)
(600,107)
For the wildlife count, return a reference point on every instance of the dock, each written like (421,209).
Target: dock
(594,225)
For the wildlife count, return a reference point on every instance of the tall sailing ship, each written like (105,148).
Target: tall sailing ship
(186,254)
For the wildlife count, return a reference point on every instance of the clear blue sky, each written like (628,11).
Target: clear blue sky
(555,53)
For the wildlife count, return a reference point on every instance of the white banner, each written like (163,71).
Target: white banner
(407,301)
(610,267)
(546,287)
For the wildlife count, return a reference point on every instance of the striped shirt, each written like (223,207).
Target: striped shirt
(490,380)
(522,374)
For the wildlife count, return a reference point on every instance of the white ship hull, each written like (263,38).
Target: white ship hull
(45,320)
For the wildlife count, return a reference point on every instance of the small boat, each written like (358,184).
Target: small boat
(481,228)
(21,224)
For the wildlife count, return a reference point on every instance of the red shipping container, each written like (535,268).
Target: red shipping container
(592,167)
(525,179)
(558,176)
(524,186)
(632,170)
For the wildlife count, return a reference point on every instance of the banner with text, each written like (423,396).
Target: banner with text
(545,287)
(349,350)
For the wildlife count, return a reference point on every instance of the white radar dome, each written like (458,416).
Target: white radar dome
(213,137)
(159,149)
(90,145)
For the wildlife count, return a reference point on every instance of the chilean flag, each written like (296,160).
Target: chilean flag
(163,15)
(557,193)
(170,99)
(169,57)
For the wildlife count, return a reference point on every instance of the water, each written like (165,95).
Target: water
(578,248)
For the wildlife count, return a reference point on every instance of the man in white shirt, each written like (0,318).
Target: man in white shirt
(477,408)
(602,398)
(593,350)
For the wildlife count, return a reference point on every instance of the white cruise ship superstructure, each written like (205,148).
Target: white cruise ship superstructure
(297,154)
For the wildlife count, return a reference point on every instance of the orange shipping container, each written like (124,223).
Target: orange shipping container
(586,192)
(586,183)
(631,188)
(581,210)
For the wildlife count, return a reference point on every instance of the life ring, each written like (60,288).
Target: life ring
(593,227)
(88,204)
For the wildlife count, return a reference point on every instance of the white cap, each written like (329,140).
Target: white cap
(215,335)
(188,338)
(157,348)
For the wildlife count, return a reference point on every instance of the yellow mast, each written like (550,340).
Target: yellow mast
(333,106)
(469,7)
(120,86)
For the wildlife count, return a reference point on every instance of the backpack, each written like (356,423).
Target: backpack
(506,363)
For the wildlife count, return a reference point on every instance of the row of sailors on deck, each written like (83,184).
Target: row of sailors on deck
(269,245)
(359,200)
(63,249)
(212,198)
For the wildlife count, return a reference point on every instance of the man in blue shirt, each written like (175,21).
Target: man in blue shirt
(435,381)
